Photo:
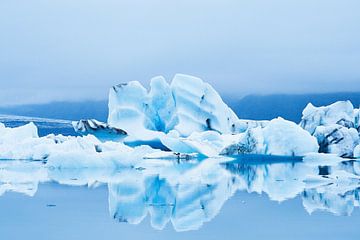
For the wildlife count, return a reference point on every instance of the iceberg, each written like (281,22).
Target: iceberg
(183,119)
(357,151)
(186,105)
(357,119)
(199,107)
(279,137)
(66,151)
(337,139)
(101,130)
(206,144)
(341,113)
(336,127)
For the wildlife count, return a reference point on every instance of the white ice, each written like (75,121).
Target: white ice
(337,139)
(341,113)
(187,105)
(184,118)
(279,137)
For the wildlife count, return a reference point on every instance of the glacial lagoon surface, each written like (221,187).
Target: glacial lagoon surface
(251,197)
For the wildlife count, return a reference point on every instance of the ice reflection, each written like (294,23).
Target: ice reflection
(191,193)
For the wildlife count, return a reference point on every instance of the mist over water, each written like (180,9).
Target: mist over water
(64,51)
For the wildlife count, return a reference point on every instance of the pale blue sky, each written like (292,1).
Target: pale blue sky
(74,50)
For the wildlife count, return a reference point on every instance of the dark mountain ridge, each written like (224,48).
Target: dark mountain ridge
(257,107)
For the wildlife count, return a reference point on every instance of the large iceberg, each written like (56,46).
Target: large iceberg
(341,113)
(186,105)
(336,127)
(186,117)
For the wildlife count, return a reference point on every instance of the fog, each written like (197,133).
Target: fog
(75,50)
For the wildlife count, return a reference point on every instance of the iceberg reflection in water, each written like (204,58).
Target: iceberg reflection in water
(191,193)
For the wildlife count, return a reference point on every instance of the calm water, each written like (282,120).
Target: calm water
(253,197)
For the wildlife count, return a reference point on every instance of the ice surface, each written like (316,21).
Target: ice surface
(341,113)
(282,137)
(184,118)
(337,139)
(279,137)
(101,130)
(188,104)
(336,127)
(357,119)
(14,135)
(357,151)
(208,143)
(199,107)
(66,151)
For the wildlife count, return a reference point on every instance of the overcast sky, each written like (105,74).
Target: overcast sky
(76,49)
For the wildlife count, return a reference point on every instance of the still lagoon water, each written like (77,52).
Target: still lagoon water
(252,197)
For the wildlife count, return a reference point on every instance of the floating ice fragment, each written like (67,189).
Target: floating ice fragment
(279,137)
(341,112)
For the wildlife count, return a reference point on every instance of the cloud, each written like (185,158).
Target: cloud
(55,50)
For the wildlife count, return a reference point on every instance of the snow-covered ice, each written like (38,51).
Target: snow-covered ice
(66,151)
(187,105)
(341,113)
(279,137)
(335,126)
(186,118)
(337,139)
(357,151)
(101,130)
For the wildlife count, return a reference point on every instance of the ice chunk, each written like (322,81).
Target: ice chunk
(283,137)
(200,108)
(188,104)
(341,112)
(172,156)
(127,103)
(357,151)
(144,116)
(337,139)
(66,152)
(14,135)
(279,137)
(101,130)
(252,141)
(357,119)
(208,143)
(243,125)
(138,112)
(161,108)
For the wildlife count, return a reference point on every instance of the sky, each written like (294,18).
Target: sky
(76,50)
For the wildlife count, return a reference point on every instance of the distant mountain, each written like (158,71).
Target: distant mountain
(250,107)
(287,106)
(61,110)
